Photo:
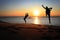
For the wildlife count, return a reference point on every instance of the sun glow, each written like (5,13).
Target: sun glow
(36,12)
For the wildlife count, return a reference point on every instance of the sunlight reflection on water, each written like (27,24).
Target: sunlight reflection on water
(36,20)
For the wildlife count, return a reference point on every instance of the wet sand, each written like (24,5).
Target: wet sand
(13,31)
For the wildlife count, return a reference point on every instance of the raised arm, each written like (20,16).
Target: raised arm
(43,7)
(50,8)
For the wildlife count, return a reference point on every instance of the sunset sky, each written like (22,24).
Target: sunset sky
(33,7)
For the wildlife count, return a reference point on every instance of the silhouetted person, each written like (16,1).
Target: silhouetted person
(47,12)
(26,15)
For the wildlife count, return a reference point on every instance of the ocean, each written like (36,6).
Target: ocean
(32,20)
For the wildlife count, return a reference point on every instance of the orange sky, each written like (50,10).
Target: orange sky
(31,12)
(20,7)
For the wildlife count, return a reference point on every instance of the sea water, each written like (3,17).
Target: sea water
(32,20)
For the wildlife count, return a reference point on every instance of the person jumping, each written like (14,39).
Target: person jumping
(47,12)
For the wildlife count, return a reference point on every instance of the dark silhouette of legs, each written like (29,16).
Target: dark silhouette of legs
(49,18)
(25,20)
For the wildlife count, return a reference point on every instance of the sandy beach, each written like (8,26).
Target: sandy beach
(14,31)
